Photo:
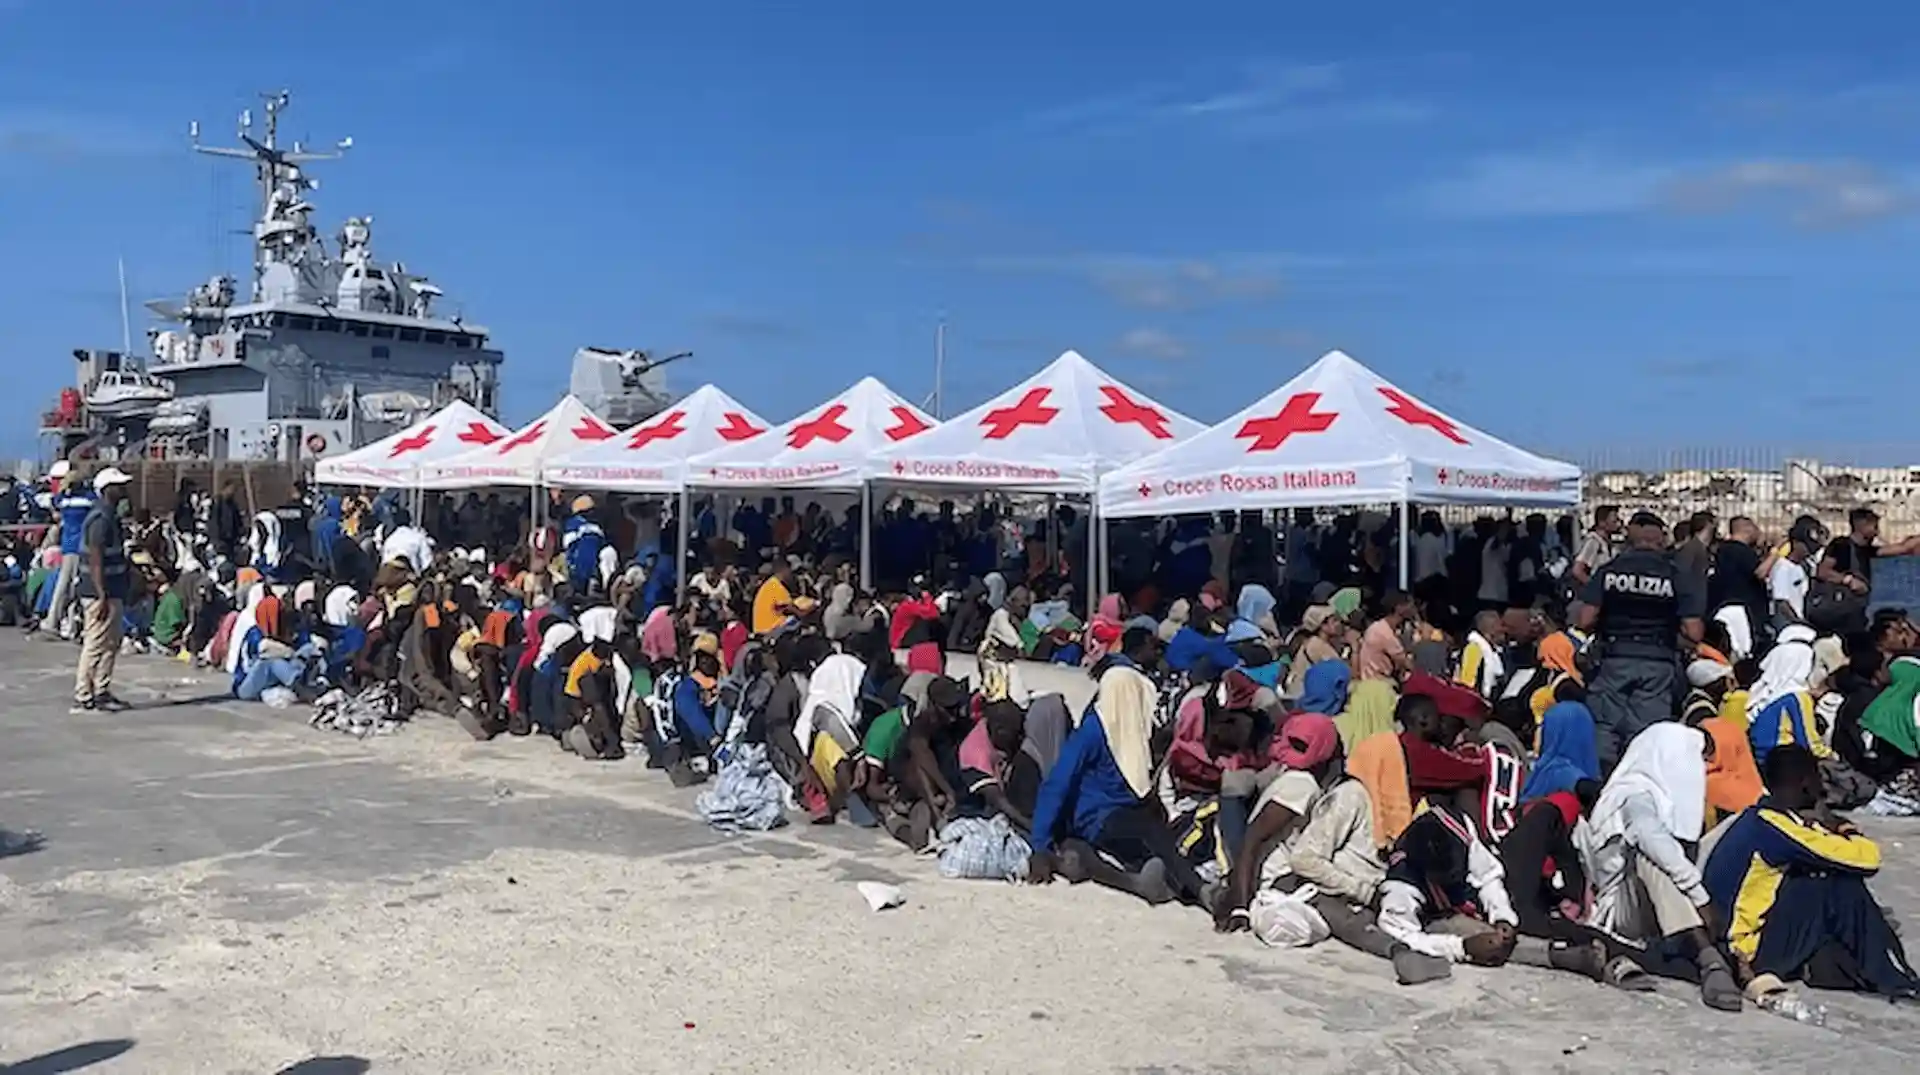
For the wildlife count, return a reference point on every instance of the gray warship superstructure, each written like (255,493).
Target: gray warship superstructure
(326,350)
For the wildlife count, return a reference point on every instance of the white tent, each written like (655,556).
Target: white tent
(452,430)
(1055,432)
(652,456)
(518,459)
(832,446)
(1336,434)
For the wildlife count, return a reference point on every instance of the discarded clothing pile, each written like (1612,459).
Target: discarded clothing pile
(374,711)
(748,796)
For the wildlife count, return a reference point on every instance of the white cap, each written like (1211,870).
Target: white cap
(111,477)
(59,468)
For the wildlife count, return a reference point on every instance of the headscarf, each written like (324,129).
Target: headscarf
(1309,739)
(1124,706)
(658,641)
(1369,712)
(996,589)
(1048,722)
(1666,764)
(1787,667)
(599,623)
(1891,717)
(1568,751)
(1212,595)
(1733,778)
(1324,690)
(834,686)
(838,621)
(1256,608)
(343,604)
(556,635)
(1177,616)
(1104,631)
(1454,700)
(267,617)
(1345,602)
(1380,765)
(706,642)
(248,618)
(1557,653)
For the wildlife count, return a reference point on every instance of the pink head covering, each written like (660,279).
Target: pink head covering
(657,638)
(1307,740)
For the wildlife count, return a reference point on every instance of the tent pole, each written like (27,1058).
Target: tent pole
(866,536)
(1053,534)
(1100,546)
(1096,582)
(684,561)
(1406,509)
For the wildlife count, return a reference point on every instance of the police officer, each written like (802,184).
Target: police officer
(1638,605)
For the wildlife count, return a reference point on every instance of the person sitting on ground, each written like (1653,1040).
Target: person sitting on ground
(1435,772)
(1733,778)
(1568,752)
(1098,797)
(589,715)
(1440,874)
(1369,711)
(695,736)
(827,729)
(1789,887)
(1321,638)
(925,764)
(986,756)
(1001,649)
(1646,888)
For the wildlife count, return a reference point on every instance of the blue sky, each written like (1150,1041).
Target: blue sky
(1575,228)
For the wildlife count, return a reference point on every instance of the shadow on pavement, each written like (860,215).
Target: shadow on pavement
(20,843)
(329,1065)
(71,1058)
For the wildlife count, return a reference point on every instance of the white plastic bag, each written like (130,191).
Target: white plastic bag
(1287,919)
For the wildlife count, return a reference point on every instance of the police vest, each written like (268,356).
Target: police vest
(1639,604)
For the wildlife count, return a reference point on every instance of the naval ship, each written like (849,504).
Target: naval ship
(328,350)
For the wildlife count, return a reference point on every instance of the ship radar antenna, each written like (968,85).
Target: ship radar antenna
(278,171)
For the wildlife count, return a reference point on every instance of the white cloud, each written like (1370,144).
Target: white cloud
(1813,193)
(1162,283)
(1577,183)
(1152,343)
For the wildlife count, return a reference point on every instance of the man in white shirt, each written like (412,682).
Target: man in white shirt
(1787,583)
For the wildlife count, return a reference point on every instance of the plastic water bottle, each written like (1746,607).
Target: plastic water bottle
(1788,1004)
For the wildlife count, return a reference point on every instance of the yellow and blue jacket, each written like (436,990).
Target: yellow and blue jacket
(1787,719)
(1761,849)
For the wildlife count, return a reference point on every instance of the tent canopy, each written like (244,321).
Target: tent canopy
(1336,434)
(652,456)
(1056,431)
(831,446)
(455,429)
(517,459)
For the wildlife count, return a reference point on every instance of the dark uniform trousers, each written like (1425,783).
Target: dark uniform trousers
(1627,696)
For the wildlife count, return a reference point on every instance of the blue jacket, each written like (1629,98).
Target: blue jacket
(1084,788)
(73,506)
(1764,846)
(692,713)
(582,539)
(1189,647)
(326,534)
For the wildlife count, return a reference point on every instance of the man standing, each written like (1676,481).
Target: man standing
(1848,561)
(73,503)
(1639,603)
(1597,547)
(1737,589)
(103,594)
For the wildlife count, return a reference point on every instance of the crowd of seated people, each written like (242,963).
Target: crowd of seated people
(1414,774)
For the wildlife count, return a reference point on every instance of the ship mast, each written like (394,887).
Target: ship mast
(281,180)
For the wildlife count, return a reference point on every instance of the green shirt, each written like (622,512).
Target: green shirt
(885,735)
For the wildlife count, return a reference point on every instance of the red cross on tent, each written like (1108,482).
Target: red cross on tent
(527,436)
(1122,409)
(667,428)
(827,427)
(1298,416)
(479,433)
(906,424)
(412,444)
(1415,415)
(738,428)
(1032,410)
(591,429)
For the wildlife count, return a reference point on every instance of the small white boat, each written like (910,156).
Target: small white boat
(127,392)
